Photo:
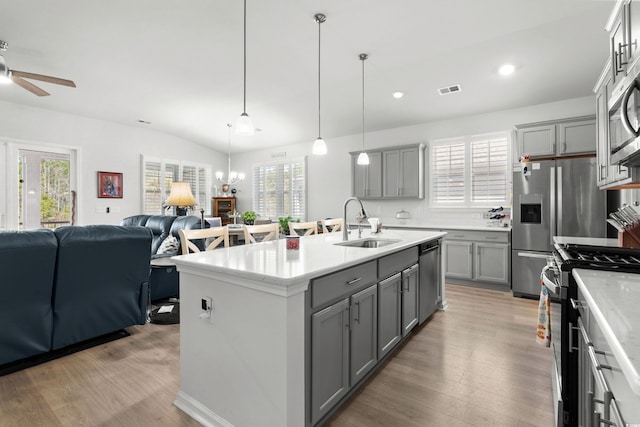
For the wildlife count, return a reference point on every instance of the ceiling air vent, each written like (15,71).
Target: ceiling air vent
(449,89)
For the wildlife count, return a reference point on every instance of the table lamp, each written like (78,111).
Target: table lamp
(181,197)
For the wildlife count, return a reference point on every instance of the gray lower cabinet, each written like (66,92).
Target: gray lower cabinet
(364,328)
(389,320)
(492,262)
(478,258)
(410,279)
(458,259)
(330,357)
(344,348)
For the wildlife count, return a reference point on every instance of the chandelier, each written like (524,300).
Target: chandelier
(232,176)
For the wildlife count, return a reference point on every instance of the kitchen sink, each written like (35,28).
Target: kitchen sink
(368,243)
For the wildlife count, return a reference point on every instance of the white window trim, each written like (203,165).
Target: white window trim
(181,164)
(467,139)
(303,160)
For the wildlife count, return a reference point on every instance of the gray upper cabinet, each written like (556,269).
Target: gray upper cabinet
(393,173)
(537,141)
(367,180)
(577,137)
(402,173)
(618,52)
(557,138)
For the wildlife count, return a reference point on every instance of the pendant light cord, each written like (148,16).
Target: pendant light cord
(319,26)
(229,151)
(244,106)
(363,57)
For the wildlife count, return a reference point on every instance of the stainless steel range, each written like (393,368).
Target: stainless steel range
(564,291)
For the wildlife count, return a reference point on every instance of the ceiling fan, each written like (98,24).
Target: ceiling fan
(18,77)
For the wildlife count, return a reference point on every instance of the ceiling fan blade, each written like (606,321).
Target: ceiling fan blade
(28,86)
(43,78)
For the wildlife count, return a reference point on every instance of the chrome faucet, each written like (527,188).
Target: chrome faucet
(359,218)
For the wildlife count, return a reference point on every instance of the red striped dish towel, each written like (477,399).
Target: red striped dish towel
(543,335)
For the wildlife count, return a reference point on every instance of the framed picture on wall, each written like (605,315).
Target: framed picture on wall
(110,185)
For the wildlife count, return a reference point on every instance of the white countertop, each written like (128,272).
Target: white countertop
(613,299)
(588,241)
(271,262)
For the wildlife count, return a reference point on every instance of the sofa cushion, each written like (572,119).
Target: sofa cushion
(27,263)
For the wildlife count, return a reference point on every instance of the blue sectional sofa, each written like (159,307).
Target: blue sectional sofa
(164,282)
(66,286)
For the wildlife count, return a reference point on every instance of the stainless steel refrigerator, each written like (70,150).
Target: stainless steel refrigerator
(551,198)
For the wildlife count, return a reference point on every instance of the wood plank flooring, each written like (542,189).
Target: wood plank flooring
(475,364)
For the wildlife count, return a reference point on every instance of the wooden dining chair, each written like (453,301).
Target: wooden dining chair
(303,228)
(332,225)
(260,233)
(218,234)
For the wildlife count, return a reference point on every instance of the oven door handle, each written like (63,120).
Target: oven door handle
(623,110)
(552,286)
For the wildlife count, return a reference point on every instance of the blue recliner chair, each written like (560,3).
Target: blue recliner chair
(101,281)
(27,263)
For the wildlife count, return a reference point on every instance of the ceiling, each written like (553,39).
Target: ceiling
(178,64)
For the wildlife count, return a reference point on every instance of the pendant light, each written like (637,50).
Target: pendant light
(319,146)
(244,125)
(363,158)
(232,176)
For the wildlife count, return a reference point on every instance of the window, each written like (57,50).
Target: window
(280,188)
(470,171)
(160,174)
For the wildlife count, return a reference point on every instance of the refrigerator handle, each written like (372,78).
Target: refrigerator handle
(559,203)
(552,203)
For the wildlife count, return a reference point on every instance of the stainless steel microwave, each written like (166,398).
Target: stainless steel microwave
(624,125)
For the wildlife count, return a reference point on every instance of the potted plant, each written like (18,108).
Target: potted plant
(249,217)
(284,224)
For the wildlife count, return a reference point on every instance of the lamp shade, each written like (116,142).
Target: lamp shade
(181,195)
(363,159)
(244,125)
(319,147)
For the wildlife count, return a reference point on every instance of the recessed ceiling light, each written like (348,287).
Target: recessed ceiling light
(398,94)
(506,69)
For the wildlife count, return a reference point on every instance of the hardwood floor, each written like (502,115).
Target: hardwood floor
(475,364)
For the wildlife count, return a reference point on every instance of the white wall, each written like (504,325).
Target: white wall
(329,177)
(102,146)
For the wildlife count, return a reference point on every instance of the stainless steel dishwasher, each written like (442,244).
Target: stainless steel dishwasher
(428,295)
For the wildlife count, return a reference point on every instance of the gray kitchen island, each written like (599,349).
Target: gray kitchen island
(277,337)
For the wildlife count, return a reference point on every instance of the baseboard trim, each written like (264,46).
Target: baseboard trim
(199,412)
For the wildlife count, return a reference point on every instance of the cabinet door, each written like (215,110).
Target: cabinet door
(409,185)
(330,357)
(537,141)
(364,326)
(391,173)
(491,262)
(602,133)
(458,259)
(633,10)
(389,326)
(409,299)
(617,48)
(577,137)
(374,178)
(367,180)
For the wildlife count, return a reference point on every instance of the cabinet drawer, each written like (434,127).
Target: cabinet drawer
(342,283)
(398,261)
(478,236)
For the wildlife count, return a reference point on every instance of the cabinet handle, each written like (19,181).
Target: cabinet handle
(621,50)
(354,281)
(357,319)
